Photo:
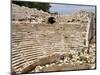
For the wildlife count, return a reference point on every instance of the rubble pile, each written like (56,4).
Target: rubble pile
(78,58)
(22,13)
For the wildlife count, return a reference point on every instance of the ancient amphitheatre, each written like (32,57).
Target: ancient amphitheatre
(37,46)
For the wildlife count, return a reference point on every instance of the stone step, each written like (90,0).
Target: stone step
(18,61)
(14,56)
(64,67)
(33,54)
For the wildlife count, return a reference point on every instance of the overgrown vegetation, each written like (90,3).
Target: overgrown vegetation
(39,6)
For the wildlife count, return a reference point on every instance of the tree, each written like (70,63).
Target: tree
(39,6)
(55,13)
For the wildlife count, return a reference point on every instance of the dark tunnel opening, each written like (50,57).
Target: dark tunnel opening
(51,20)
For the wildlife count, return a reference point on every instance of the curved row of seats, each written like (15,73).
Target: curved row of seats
(29,50)
(29,45)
